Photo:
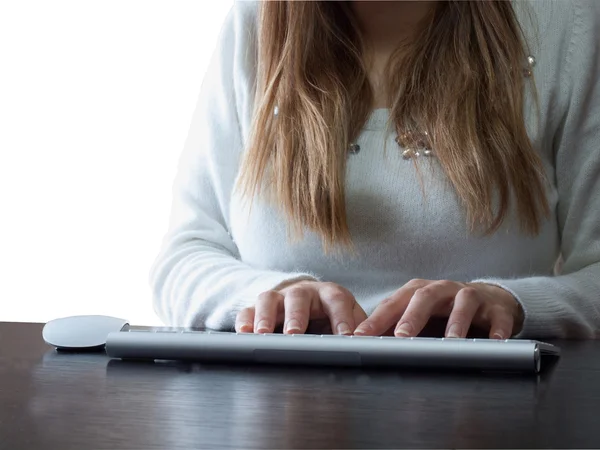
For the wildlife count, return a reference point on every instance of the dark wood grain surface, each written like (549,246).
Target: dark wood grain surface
(50,400)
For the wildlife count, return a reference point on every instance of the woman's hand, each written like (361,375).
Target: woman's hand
(298,303)
(409,309)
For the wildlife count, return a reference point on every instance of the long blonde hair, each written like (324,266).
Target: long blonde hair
(461,79)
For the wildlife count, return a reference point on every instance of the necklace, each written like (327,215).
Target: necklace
(413,143)
(416,143)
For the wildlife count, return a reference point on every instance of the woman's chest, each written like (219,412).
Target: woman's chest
(404,217)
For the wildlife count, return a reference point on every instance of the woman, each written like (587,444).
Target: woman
(380,164)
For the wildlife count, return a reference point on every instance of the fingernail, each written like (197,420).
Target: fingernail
(362,329)
(498,336)
(343,328)
(453,331)
(262,326)
(246,328)
(403,330)
(292,325)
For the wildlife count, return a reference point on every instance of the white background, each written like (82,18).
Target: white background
(96,98)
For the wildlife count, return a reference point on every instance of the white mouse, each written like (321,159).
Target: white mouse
(81,332)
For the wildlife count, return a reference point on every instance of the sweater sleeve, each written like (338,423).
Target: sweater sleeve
(198,277)
(568,305)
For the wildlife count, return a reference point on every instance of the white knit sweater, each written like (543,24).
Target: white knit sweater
(217,258)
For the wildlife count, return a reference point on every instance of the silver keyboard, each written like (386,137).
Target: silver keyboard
(164,343)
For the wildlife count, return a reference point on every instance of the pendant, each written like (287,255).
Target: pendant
(415,144)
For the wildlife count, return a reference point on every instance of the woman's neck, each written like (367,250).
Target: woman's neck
(384,24)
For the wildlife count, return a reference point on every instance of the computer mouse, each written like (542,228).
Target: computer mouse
(81,332)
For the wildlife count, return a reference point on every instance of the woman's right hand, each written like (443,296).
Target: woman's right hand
(296,304)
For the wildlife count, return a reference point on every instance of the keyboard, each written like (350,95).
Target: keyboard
(162,343)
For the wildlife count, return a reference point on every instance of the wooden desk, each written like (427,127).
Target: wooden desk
(60,401)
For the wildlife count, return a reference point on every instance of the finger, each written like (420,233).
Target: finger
(423,304)
(244,321)
(297,305)
(466,305)
(338,304)
(501,324)
(387,313)
(265,315)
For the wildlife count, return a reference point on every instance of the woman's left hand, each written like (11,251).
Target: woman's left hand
(408,310)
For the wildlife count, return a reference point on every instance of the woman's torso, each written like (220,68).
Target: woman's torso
(406,227)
